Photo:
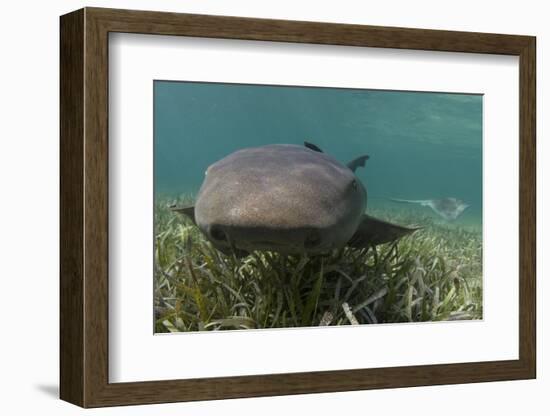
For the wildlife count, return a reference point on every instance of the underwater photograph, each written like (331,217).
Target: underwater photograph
(290,206)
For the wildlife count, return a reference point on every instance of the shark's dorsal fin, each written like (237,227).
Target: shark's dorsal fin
(372,231)
(359,161)
(187,211)
(313,147)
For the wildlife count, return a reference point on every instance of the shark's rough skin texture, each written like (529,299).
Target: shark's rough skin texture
(286,198)
(447,208)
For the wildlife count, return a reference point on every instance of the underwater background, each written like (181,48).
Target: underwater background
(422,145)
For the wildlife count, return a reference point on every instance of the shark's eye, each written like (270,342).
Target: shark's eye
(354,184)
(217,233)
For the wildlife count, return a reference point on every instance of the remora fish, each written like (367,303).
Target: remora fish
(289,199)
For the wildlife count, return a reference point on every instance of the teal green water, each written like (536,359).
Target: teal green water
(421,145)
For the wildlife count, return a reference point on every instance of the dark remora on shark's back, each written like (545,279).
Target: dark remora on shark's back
(289,199)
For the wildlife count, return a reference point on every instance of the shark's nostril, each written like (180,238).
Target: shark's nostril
(313,239)
(217,233)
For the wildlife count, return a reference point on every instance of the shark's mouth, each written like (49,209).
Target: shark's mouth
(310,241)
(268,245)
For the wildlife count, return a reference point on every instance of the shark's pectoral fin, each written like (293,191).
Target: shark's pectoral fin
(372,231)
(359,161)
(313,147)
(187,211)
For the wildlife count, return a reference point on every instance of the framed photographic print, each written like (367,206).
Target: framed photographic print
(255,207)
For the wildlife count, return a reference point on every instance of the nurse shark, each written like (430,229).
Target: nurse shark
(289,199)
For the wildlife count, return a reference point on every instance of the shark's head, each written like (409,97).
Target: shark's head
(284,198)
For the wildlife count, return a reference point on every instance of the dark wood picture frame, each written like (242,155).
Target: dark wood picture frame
(84,207)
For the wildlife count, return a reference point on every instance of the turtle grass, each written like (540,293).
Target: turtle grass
(432,275)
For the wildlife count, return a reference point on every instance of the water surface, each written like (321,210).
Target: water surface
(422,145)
